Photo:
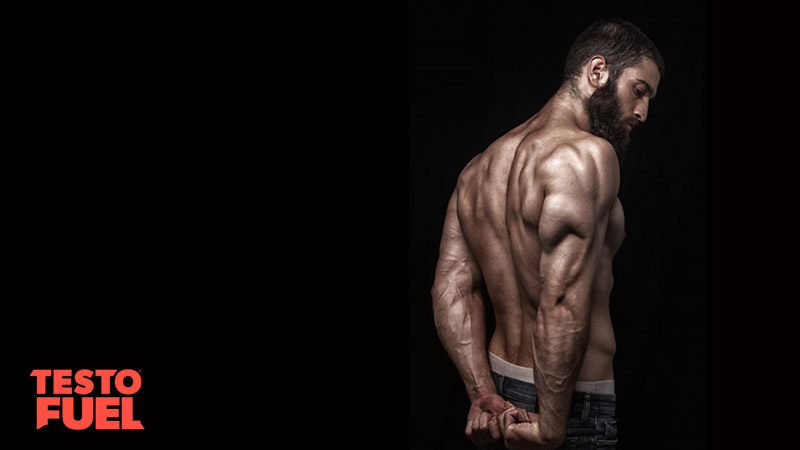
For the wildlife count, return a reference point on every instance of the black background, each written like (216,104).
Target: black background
(116,244)
(478,69)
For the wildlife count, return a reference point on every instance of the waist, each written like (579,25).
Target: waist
(505,368)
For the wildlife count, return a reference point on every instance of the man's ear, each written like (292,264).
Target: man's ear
(598,71)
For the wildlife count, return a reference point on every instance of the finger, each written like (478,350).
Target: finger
(475,425)
(494,429)
(484,420)
(475,428)
(468,430)
(483,428)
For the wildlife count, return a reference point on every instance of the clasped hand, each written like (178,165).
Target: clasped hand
(491,419)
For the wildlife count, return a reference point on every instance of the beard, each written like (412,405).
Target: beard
(606,118)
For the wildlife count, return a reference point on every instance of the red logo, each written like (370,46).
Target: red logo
(107,413)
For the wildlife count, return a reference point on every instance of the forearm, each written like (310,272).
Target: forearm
(459,318)
(561,335)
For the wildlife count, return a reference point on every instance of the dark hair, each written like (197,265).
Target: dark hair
(620,42)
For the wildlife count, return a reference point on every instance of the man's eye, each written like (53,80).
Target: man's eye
(638,92)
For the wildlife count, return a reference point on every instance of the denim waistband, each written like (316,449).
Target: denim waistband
(525,374)
(523,394)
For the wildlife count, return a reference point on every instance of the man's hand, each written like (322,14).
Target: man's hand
(521,431)
(483,425)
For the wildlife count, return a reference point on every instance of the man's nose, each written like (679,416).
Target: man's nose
(641,112)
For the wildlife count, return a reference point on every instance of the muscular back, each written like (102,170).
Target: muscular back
(512,201)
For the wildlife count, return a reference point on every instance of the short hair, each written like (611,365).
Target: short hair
(620,42)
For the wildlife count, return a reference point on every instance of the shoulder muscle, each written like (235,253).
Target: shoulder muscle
(580,184)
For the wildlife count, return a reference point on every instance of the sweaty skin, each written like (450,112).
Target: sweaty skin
(536,218)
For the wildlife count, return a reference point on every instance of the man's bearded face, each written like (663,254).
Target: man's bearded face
(606,118)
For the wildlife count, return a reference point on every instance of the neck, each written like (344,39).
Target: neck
(566,106)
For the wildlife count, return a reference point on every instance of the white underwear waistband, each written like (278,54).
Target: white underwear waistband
(525,374)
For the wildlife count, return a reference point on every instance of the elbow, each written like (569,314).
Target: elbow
(563,296)
(563,307)
(438,290)
(554,299)
(449,285)
(449,295)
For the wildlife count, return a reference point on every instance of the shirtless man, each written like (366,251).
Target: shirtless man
(537,219)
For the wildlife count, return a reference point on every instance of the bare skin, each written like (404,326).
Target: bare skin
(536,218)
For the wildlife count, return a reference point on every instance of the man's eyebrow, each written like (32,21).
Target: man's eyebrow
(649,88)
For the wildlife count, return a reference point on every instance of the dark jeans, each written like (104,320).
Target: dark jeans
(592,421)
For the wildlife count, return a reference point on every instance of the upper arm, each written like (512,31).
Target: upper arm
(579,192)
(456,267)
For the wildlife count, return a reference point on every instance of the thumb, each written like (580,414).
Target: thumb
(513,415)
(506,418)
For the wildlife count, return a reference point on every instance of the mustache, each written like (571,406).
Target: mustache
(633,122)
